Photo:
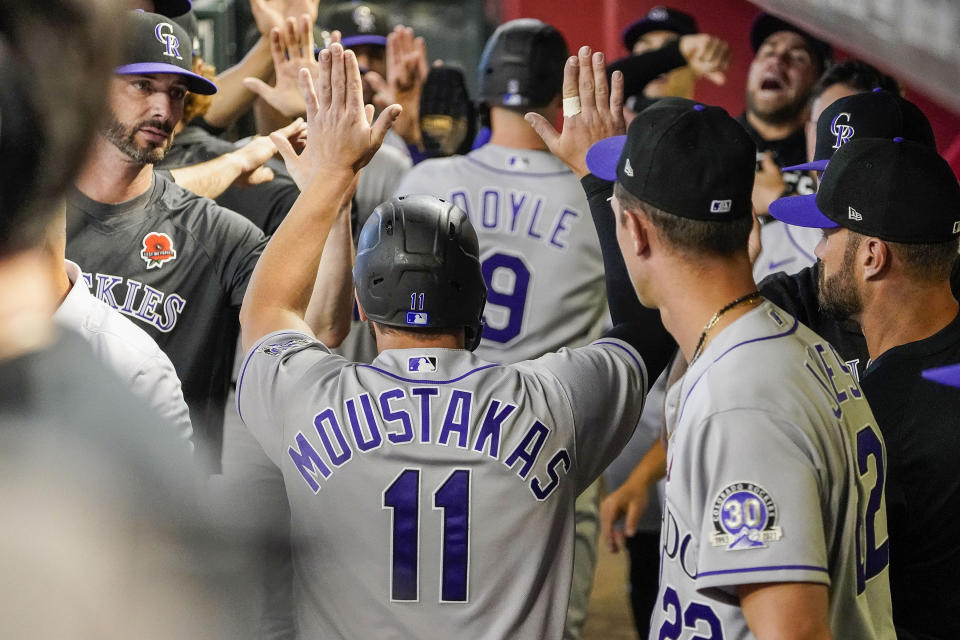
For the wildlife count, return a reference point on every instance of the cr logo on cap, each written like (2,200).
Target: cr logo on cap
(843,131)
(164,32)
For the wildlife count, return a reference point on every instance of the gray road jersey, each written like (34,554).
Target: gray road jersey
(775,473)
(432,492)
(538,247)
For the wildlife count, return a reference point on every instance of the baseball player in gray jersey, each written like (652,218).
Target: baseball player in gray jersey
(393,469)
(539,251)
(774,524)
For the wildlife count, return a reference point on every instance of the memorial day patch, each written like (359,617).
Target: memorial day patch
(279,348)
(157,249)
(744,517)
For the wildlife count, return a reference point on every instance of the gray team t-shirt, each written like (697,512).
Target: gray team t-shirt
(538,247)
(774,474)
(432,492)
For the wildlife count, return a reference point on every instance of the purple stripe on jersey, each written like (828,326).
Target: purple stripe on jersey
(529,174)
(797,246)
(630,353)
(782,567)
(419,381)
(791,331)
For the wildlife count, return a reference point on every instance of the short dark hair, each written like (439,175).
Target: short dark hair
(928,263)
(858,75)
(49,109)
(693,237)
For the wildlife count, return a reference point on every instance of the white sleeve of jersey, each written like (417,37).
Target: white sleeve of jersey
(269,380)
(761,490)
(605,383)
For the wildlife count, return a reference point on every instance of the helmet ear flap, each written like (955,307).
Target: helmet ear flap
(472,336)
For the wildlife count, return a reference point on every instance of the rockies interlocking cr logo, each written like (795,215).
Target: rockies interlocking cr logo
(164,33)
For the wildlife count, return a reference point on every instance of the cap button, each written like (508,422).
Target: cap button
(698,107)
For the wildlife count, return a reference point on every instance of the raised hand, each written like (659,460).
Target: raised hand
(271,14)
(592,110)
(407,70)
(291,46)
(707,55)
(341,133)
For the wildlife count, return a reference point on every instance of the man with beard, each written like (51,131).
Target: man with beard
(176,263)
(890,214)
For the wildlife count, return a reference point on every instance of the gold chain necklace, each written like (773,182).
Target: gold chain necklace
(750,297)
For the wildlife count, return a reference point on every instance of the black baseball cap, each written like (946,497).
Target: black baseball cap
(157,44)
(659,19)
(172,8)
(686,158)
(896,190)
(765,25)
(359,23)
(874,114)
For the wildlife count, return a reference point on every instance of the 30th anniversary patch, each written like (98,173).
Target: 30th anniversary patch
(744,517)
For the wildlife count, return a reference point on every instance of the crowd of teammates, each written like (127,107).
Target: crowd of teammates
(359,373)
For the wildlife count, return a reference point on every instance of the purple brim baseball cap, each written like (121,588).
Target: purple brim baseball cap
(603,156)
(353,41)
(816,165)
(195,82)
(801,211)
(949,375)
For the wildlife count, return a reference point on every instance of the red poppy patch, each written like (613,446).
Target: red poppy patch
(157,249)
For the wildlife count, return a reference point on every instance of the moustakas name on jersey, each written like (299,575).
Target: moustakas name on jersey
(436,488)
(539,251)
(782,483)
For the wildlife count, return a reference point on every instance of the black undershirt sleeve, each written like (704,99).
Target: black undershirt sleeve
(639,70)
(633,323)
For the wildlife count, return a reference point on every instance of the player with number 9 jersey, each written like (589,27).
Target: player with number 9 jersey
(781,484)
(539,250)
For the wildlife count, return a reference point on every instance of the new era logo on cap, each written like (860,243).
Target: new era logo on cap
(956,226)
(721,206)
(853,214)
(627,169)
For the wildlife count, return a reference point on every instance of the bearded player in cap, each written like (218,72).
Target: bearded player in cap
(770,527)
(175,263)
(393,469)
(890,214)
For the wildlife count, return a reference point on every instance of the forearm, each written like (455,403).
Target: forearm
(210,178)
(283,282)
(651,468)
(330,311)
(232,98)
(639,70)
(632,322)
(786,611)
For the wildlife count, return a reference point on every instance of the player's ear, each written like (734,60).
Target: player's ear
(873,254)
(360,313)
(636,230)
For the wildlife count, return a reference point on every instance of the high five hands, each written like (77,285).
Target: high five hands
(592,110)
(341,132)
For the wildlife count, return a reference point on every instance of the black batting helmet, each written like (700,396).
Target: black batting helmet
(522,65)
(418,267)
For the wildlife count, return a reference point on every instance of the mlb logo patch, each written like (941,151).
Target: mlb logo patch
(721,206)
(418,318)
(422,364)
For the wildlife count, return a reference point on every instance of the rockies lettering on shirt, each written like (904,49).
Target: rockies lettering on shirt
(435,488)
(920,421)
(178,265)
(775,473)
(538,247)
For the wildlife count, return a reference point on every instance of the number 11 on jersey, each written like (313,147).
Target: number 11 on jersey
(452,498)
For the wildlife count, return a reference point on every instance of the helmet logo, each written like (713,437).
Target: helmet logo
(364,19)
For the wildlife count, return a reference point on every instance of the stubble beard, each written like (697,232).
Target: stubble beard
(837,295)
(123,138)
(784,114)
